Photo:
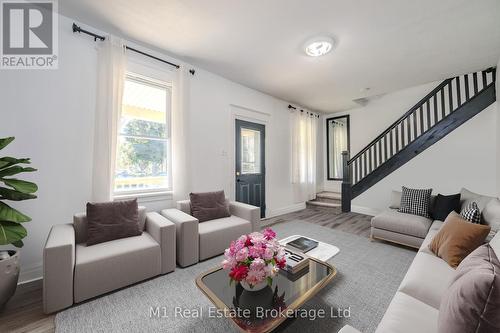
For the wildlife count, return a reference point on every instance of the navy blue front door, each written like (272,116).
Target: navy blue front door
(250,164)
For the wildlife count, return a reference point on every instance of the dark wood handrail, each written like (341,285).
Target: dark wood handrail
(467,110)
(413,109)
(429,120)
(403,117)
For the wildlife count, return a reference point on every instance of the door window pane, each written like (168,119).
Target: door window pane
(250,151)
(143,140)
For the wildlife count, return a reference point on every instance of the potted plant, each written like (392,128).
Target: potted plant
(11,220)
(254,259)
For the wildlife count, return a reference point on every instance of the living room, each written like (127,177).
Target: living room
(343,135)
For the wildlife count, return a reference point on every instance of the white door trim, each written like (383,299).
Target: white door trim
(255,116)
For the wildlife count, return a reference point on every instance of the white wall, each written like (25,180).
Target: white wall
(466,157)
(212,137)
(367,122)
(51,114)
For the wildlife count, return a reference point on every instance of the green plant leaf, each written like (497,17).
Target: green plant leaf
(4,142)
(9,214)
(18,243)
(269,281)
(8,194)
(9,161)
(11,233)
(21,185)
(14,170)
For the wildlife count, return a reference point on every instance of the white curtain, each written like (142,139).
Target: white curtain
(304,135)
(111,77)
(181,167)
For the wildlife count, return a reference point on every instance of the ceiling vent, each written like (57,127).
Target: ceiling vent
(363,101)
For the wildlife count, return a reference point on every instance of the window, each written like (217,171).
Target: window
(250,151)
(143,147)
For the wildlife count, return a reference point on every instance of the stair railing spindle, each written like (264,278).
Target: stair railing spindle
(415,131)
(443,110)
(396,137)
(380,161)
(467,93)
(385,148)
(436,117)
(428,106)
(401,124)
(459,98)
(365,169)
(474,81)
(450,96)
(408,128)
(421,114)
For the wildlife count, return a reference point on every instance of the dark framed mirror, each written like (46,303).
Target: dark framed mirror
(337,140)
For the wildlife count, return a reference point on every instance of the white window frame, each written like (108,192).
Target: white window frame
(148,73)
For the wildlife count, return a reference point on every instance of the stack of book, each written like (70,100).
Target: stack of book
(295,261)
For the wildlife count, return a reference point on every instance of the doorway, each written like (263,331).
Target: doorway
(250,164)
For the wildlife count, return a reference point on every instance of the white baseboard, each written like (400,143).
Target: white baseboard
(365,210)
(286,210)
(29,274)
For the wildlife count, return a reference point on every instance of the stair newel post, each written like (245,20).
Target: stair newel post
(346,183)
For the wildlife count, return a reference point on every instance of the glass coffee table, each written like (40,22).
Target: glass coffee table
(264,310)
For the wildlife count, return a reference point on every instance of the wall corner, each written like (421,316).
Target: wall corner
(498,128)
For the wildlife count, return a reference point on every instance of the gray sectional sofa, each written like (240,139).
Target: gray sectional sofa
(74,272)
(411,230)
(415,306)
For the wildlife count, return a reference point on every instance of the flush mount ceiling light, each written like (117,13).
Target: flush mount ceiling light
(318,46)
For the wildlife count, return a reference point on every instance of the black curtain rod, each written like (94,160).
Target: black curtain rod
(76,28)
(294,108)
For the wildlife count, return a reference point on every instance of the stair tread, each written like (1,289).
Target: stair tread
(322,204)
(329,195)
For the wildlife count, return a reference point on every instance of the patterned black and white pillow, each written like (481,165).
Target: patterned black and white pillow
(415,201)
(471,213)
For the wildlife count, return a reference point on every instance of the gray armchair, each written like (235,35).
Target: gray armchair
(74,272)
(199,241)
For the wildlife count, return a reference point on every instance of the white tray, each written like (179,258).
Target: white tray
(323,251)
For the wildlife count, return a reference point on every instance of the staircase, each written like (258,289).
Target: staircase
(449,105)
(326,199)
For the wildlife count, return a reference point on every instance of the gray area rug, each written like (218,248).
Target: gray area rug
(368,276)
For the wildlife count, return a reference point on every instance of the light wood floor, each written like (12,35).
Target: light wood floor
(23,313)
(331,217)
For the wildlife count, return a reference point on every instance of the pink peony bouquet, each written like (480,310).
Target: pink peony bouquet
(254,258)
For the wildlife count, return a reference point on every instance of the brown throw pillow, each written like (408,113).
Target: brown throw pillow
(472,301)
(209,205)
(457,238)
(108,221)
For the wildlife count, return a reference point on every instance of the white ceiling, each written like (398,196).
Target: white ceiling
(384,45)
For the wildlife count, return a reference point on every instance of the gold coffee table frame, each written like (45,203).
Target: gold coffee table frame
(274,323)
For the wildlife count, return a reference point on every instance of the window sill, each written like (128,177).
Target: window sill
(146,196)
